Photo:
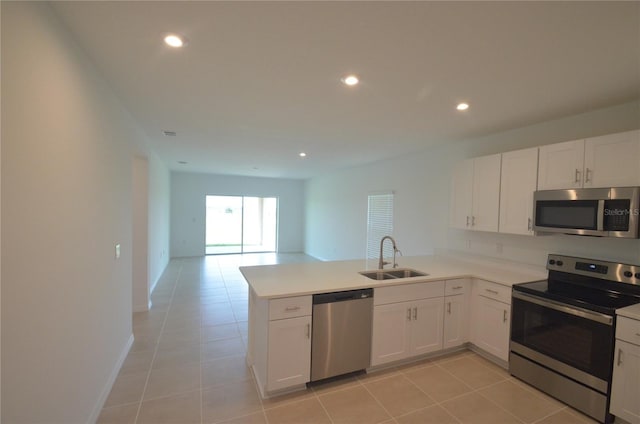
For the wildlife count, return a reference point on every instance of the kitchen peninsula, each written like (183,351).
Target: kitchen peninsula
(460,300)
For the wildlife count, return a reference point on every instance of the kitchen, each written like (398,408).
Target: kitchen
(337,200)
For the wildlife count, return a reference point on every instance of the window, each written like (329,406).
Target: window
(239,224)
(379,223)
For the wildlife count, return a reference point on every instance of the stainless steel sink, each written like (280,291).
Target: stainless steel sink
(390,274)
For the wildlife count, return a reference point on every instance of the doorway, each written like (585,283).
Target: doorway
(240,224)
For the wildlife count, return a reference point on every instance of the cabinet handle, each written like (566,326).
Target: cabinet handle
(456,288)
(577,180)
(529,224)
(291,308)
(491,291)
(449,308)
(415,313)
(504,316)
(308,331)
(586,175)
(473,221)
(408,314)
(467,220)
(619,357)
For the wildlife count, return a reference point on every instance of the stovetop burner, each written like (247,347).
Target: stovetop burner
(594,285)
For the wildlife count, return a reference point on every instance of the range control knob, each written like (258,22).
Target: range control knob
(552,262)
(628,274)
(638,275)
(560,263)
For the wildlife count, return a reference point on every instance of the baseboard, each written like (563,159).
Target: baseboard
(142,308)
(109,384)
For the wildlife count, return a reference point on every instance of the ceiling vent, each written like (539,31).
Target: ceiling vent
(169,133)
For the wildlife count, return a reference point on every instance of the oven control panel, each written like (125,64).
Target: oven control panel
(622,273)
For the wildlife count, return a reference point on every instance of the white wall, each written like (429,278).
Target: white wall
(188,191)
(140,234)
(158,206)
(66,201)
(336,204)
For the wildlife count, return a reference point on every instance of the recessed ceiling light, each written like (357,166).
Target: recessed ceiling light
(303,154)
(462,106)
(350,80)
(174,40)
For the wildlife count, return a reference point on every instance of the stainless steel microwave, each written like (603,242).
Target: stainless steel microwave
(601,212)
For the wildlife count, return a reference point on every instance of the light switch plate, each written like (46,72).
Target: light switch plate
(118,251)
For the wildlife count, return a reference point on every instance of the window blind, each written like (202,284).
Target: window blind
(379,223)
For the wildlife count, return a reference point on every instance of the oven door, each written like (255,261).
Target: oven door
(575,342)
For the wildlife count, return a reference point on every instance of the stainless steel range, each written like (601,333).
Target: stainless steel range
(563,330)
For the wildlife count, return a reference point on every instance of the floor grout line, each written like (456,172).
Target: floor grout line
(155,352)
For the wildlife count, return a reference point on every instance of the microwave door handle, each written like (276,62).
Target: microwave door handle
(600,219)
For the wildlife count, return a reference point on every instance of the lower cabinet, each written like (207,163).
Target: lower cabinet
(625,389)
(279,349)
(289,351)
(405,328)
(456,318)
(491,318)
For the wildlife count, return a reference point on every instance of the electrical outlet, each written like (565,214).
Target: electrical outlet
(118,251)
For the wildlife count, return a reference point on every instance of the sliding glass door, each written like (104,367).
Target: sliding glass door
(240,224)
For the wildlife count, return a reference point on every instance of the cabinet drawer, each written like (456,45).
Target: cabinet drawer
(628,330)
(289,307)
(493,291)
(407,292)
(457,286)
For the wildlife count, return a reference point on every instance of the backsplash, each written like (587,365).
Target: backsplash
(534,250)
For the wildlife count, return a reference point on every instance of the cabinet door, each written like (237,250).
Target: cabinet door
(390,332)
(612,160)
(518,181)
(455,321)
(561,165)
(486,193)
(492,322)
(625,389)
(461,195)
(289,352)
(426,326)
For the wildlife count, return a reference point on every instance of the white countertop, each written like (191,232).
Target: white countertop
(632,311)
(286,280)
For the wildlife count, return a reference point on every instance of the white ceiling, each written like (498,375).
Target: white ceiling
(259,82)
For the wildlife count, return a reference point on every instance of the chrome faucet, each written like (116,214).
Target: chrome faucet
(381,261)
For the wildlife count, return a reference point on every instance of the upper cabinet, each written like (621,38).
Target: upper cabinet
(560,165)
(607,161)
(517,185)
(612,160)
(476,194)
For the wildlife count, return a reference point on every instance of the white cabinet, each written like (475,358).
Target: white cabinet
(625,389)
(518,181)
(289,362)
(426,327)
(279,348)
(490,320)
(404,324)
(476,194)
(456,319)
(560,165)
(608,161)
(612,160)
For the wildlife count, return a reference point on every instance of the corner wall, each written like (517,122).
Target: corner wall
(188,191)
(336,204)
(66,202)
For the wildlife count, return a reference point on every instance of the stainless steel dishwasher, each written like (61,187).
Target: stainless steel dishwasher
(341,335)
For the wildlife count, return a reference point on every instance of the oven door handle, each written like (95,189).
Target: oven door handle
(572,310)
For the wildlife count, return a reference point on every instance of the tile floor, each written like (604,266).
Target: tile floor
(187,365)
